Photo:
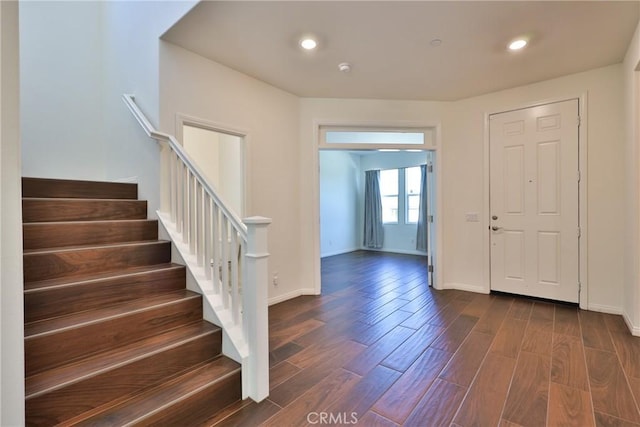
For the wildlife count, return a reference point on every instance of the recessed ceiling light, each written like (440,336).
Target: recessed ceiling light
(435,42)
(517,44)
(308,43)
(345,67)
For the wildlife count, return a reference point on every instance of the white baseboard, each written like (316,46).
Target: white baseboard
(635,330)
(128,180)
(291,295)
(395,251)
(338,252)
(479,289)
(604,309)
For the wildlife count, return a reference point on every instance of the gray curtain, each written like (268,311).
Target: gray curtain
(422,237)
(373,231)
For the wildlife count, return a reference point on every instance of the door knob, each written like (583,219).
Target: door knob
(494,228)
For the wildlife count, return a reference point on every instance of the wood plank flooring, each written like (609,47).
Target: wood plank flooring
(381,348)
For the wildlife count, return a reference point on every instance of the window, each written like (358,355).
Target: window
(400,194)
(371,137)
(412,191)
(359,138)
(389,195)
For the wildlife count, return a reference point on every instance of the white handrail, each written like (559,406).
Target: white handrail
(175,145)
(227,258)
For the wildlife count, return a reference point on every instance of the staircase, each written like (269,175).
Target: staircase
(112,336)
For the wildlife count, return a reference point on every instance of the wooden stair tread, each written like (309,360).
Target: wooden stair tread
(94,246)
(55,378)
(44,285)
(77,188)
(43,327)
(137,408)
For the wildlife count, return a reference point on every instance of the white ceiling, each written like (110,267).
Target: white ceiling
(388,43)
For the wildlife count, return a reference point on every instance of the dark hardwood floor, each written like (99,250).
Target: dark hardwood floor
(381,348)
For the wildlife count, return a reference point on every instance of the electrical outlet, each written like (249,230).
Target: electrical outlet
(275,279)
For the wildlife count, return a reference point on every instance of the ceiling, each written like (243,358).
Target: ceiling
(388,44)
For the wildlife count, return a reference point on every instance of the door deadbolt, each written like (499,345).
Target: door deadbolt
(494,217)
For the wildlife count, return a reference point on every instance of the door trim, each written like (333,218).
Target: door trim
(314,171)
(582,191)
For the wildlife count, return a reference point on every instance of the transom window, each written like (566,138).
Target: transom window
(370,137)
(358,138)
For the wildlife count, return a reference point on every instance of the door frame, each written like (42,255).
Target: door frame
(435,147)
(582,190)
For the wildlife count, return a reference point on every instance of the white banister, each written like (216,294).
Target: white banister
(227,257)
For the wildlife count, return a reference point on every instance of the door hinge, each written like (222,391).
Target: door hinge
(578,121)
(579,289)
(579,176)
(430,268)
(579,232)
(430,218)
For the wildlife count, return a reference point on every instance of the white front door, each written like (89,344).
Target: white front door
(534,179)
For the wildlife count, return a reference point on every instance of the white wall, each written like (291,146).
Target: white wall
(401,237)
(77,59)
(631,69)
(339,202)
(132,56)
(11,300)
(62,89)
(194,86)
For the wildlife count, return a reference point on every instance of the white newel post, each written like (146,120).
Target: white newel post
(255,311)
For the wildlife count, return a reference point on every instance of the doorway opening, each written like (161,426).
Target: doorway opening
(407,198)
(220,157)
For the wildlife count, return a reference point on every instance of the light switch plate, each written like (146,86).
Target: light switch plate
(472,217)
